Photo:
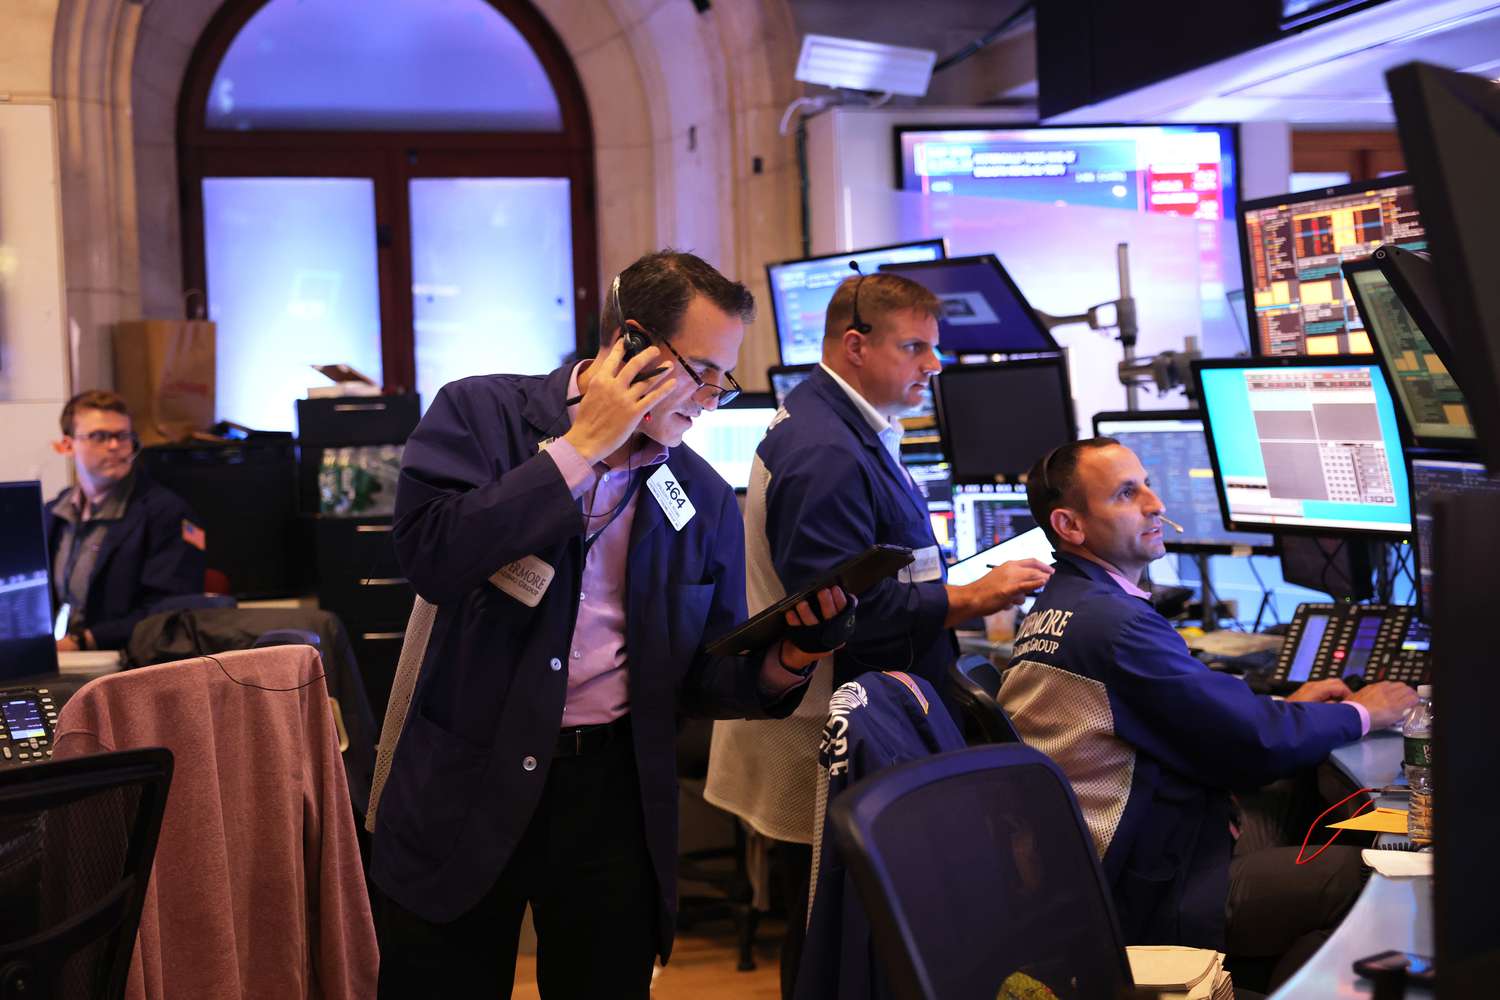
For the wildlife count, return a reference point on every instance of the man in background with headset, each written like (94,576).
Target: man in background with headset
(119,543)
(579,559)
(827,481)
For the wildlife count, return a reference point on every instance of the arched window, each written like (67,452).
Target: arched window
(405,186)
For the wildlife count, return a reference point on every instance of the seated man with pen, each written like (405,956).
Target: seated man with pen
(1154,742)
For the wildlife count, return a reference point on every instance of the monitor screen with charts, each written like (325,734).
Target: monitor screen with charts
(802,289)
(983,310)
(996,420)
(1434,407)
(727,438)
(1432,478)
(1305,445)
(986,514)
(934,482)
(27,646)
(1171,446)
(1295,246)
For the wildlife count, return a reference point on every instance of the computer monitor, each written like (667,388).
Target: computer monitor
(1432,406)
(785,378)
(1432,478)
(984,311)
(1183,170)
(1305,445)
(1171,446)
(27,645)
(726,438)
(801,290)
(1449,125)
(997,420)
(1295,245)
(986,514)
(934,481)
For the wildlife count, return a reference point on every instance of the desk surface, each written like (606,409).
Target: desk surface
(1391,913)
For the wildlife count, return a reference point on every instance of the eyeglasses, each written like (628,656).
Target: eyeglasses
(104,438)
(707,392)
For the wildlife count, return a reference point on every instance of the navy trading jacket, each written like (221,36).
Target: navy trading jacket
(476,495)
(153,552)
(874,722)
(831,491)
(1152,741)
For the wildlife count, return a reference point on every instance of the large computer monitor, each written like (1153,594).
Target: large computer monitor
(1432,404)
(984,311)
(785,378)
(727,437)
(1171,446)
(1305,445)
(997,420)
(801,290)
(1450,132)
(1295,245)
(986,514)
(1183,170)
(27,646)
(1432,478)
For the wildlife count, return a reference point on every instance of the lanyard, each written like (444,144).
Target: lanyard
(635,483)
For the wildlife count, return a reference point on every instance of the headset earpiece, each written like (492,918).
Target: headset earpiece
(855,323)
(635,339)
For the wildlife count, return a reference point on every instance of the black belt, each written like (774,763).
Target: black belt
(580,740)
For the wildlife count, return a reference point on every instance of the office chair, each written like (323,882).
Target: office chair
(77,839)
(977,872)
(976,686)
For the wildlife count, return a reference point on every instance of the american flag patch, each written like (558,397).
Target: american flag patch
(194,535)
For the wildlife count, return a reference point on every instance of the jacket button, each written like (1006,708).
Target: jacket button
(555,663)
(529,763)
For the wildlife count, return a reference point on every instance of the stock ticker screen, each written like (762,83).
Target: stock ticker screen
(1295,247)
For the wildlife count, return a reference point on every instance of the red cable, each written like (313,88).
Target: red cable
(1367,804)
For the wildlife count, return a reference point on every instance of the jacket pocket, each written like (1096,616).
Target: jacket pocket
(437,779)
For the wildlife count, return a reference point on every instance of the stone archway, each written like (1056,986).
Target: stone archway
(684,107)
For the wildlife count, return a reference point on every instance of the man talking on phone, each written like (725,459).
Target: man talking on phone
(579,558)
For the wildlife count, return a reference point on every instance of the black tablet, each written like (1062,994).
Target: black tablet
(855,575)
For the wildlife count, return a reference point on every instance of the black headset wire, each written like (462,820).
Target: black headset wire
(262,687)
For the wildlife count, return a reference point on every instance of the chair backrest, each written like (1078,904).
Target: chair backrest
(975,869)
(976,685)
(193,602)
(77,838)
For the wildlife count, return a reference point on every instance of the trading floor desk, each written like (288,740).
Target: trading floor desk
(1391,913)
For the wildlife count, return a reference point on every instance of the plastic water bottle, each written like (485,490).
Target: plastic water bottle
(1417,737)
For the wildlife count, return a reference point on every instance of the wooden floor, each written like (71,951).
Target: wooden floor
(702,967)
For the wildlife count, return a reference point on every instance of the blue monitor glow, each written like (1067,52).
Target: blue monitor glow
(1305,445)
(802,289)
(984,311)
(1171,446)
(27,646)
(727,438)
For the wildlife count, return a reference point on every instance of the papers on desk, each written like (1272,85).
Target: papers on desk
(1380,820)
(1398,864)
(1176,973)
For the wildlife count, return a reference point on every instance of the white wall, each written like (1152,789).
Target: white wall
(34,366)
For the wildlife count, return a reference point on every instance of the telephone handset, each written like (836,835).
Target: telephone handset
(1373,642)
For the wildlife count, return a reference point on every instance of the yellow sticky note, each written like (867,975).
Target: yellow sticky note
(1378,821)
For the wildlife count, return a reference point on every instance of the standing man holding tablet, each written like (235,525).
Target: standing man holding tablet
(579,559)
(828,483)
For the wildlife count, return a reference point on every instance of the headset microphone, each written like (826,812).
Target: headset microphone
(855,323)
